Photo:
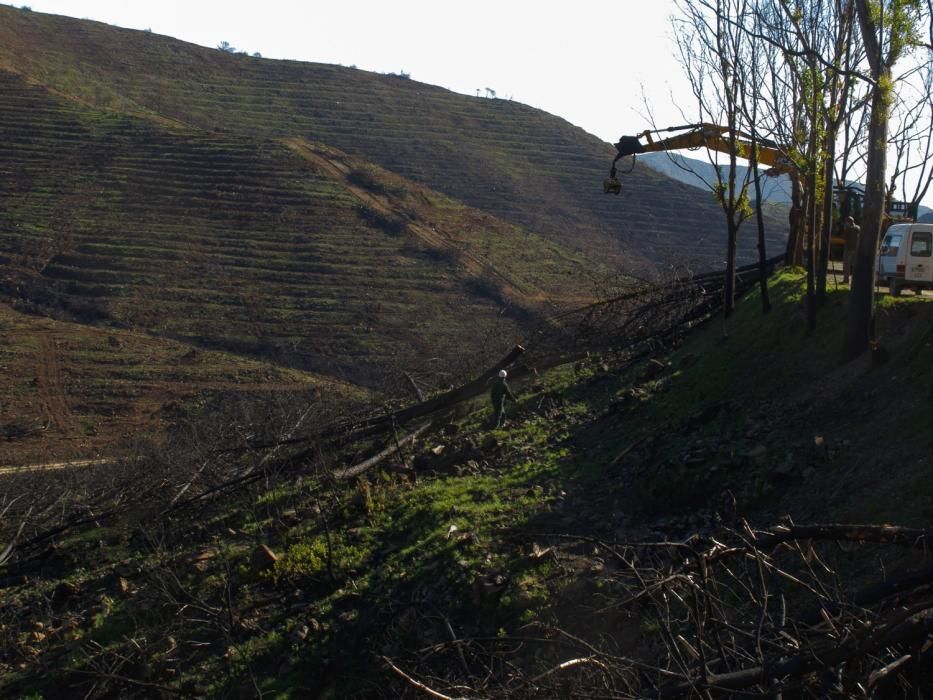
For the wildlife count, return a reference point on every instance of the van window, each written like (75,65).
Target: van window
(891,244)
(921,245)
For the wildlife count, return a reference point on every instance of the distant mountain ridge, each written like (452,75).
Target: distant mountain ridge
(697,173)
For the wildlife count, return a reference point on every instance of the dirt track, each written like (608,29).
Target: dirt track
(51,466)
(475,265)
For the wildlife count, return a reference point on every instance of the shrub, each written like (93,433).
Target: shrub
(310,560)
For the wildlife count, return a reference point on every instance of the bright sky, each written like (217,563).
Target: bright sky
(592,62)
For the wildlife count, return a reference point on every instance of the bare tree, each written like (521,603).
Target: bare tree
(713,50)
(911,136)
(888,28)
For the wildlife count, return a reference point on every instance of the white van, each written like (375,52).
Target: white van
(905,260)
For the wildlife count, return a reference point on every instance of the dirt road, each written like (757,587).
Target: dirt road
(52,466)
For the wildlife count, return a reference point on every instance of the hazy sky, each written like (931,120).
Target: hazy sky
(588,61)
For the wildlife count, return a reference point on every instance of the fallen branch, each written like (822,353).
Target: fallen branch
(882,534)
(587,660)
(805,662)
(418,684)
(882,673)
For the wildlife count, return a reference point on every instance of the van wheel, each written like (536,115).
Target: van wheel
(894,287)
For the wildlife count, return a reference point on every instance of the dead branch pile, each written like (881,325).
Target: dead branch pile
(784,612)
(645,317)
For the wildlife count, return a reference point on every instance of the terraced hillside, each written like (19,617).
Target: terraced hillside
(515,162)
(246,244)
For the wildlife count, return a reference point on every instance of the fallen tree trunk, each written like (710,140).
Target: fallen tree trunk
(357,469)
(446,400)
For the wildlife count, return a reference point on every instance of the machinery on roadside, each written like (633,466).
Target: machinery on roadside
(847,199)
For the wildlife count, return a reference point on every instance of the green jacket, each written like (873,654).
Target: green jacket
(500,390)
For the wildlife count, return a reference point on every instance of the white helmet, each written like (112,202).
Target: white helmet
(503,374)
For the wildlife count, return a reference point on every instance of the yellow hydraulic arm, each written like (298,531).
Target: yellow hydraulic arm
(694,136)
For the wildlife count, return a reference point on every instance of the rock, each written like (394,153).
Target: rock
(262,559)
(348,616)
(438,451)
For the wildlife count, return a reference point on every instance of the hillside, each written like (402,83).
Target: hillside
(359,227)
(251,313)
(495,560)
(74,392)
(237,243)
(514,162)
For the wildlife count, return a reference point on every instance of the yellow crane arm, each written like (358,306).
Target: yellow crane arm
(692,136)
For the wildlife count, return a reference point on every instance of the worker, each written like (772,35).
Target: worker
(850,231)
(500,392)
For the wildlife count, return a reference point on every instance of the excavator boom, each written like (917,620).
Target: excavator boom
(692,136)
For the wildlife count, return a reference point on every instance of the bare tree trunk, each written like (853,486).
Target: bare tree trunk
(810,254)
(811,208)
(859,316)
(827,228)
(794,238)
(729,288)
(759,218)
